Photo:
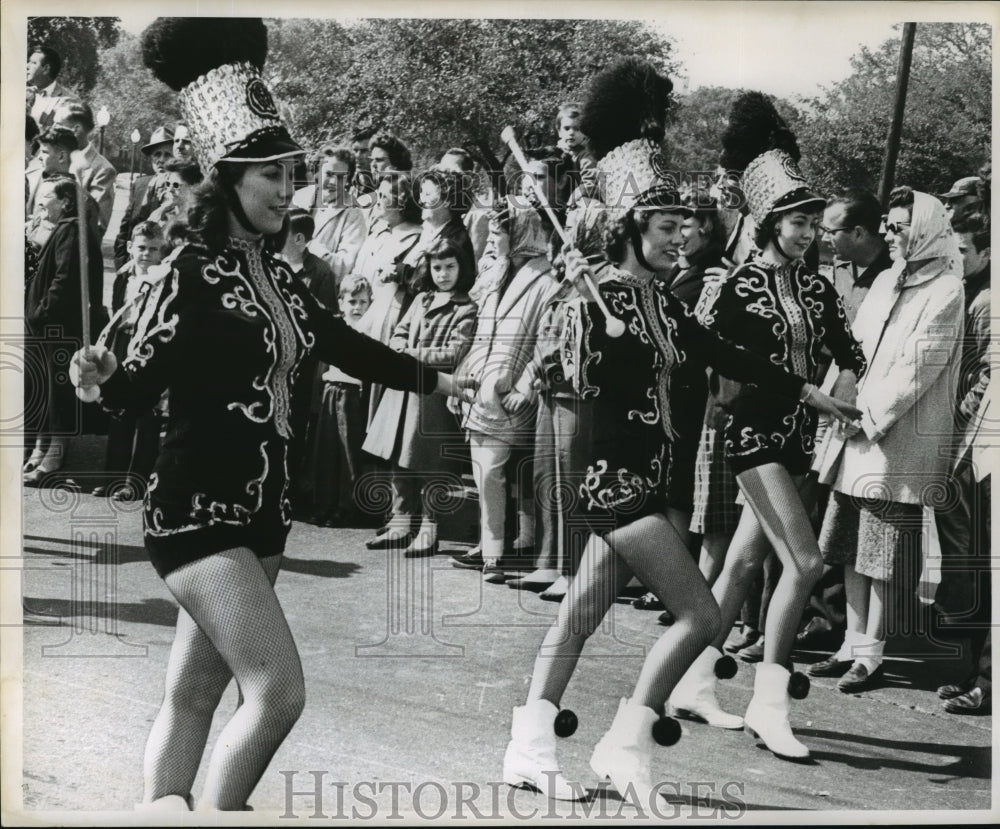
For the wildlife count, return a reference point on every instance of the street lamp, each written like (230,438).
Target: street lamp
(136,137)
(103,119)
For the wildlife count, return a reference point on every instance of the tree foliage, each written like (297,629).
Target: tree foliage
(135,99)
(947,123)
(438,83)
(79,41)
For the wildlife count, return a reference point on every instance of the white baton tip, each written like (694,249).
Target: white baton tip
(615,327)
(507,135)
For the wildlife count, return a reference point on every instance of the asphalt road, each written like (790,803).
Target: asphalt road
(412,669)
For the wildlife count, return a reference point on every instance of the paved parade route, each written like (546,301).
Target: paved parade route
(412,670)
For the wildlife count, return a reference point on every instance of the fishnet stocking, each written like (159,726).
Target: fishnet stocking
(231,597)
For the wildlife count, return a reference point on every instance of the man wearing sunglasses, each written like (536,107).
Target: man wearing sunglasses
(851,225)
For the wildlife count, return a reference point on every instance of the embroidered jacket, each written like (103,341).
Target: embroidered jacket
(227,335)
(632,376)
(786,314)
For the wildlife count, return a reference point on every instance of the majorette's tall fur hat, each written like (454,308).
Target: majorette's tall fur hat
(760,144)
(215,64)
(624,116)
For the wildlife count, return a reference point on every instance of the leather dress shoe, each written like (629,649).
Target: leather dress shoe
(666,618)
(830,667)
(648,601)
(858,679)
(389,542)
(955,690)
(818,634)
(974,701)
(125,494)
(99,491)
(472,560)
(754,652)
(494,573)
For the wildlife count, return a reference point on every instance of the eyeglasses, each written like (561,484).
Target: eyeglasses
(176,185)
(831,230)
(895,227)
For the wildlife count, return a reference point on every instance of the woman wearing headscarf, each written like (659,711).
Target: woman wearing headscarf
(442,202)
(909,326)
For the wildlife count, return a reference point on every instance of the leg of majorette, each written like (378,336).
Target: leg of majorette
(530,758)
(656,553)
(772,494)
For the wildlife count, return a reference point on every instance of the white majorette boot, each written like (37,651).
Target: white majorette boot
(625,753)
(767,714)
(530,759)
(694,695)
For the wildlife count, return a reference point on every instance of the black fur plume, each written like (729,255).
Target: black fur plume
(179,50)
(754,128)
(628,100)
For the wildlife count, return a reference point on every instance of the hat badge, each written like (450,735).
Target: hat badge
(259,99)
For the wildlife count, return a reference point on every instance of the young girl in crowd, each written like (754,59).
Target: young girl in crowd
(419,435)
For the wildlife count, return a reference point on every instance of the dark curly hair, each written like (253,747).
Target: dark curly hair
(213,201)
(399,154)
(978,226)
(65,188)
(767,229)
(617,233)
(716,242)
(455,189)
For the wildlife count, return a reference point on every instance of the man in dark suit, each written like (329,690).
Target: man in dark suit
(147,191)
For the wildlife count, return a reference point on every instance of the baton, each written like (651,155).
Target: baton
(91,393)
(614,326)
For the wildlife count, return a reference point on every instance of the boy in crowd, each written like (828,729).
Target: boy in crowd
(333,461)
(313,271)
(133,439)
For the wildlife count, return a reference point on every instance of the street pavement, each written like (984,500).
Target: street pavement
(412,668)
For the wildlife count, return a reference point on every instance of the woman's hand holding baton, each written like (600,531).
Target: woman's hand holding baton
(614,326)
